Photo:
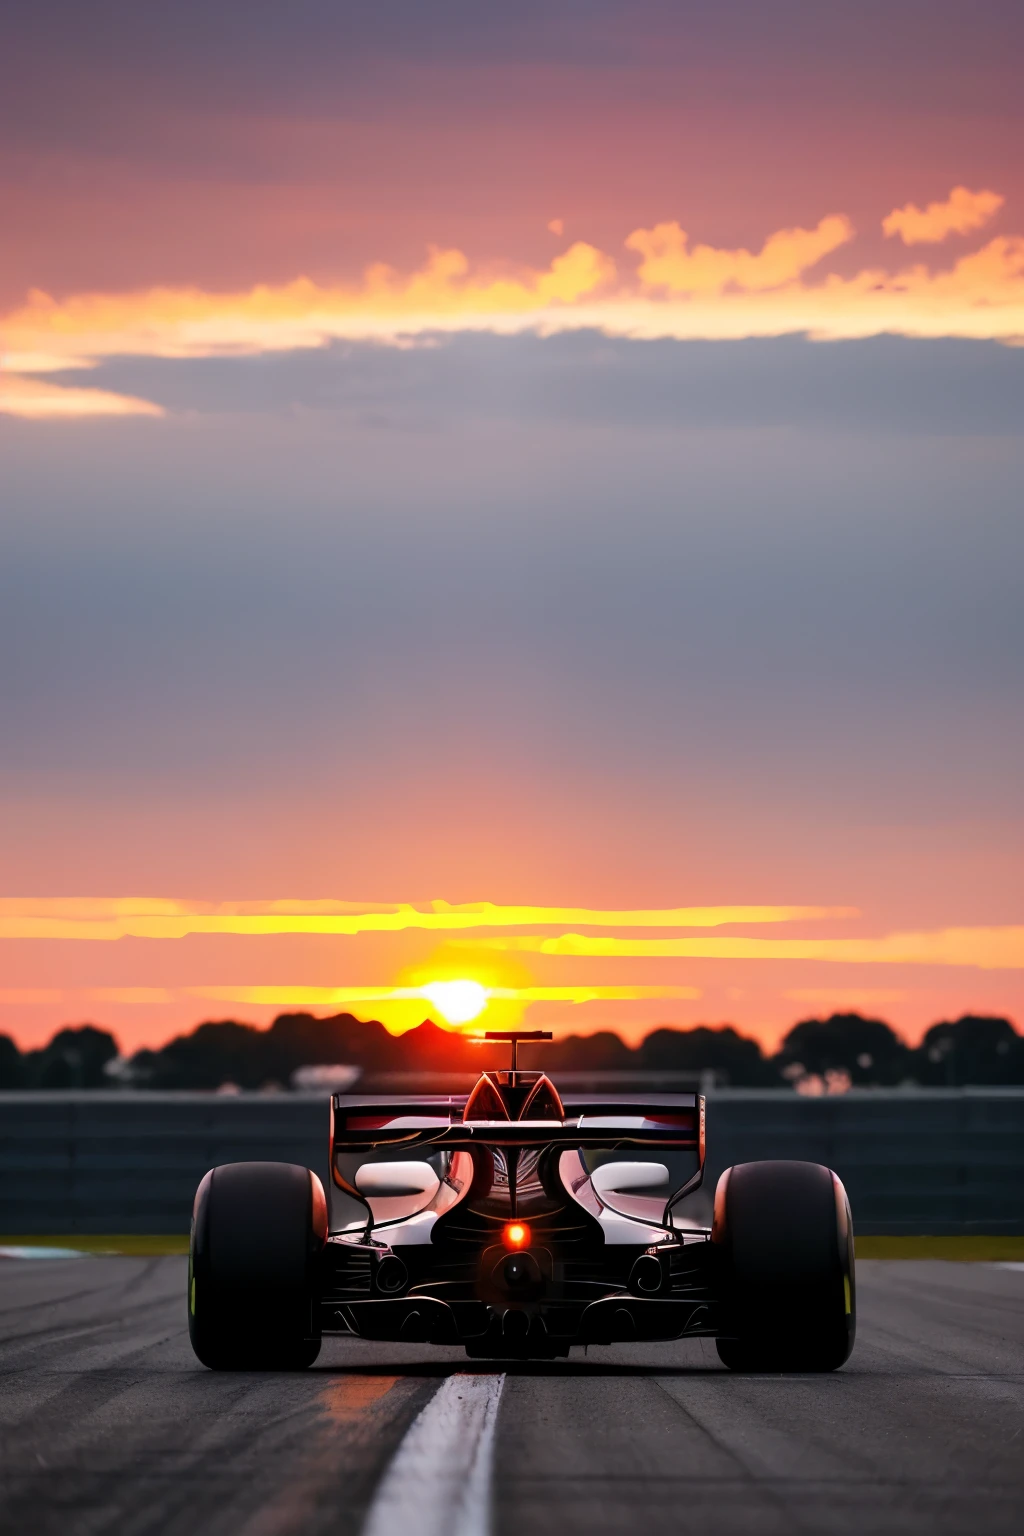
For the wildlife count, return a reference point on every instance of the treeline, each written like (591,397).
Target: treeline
(817,1055)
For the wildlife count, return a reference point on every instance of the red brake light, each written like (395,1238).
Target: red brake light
(516,1234)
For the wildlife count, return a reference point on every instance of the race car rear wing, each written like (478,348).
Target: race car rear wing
(613,1120)
(362,1129)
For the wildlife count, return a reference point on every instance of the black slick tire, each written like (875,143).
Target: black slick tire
(783,1242)
(258,1234)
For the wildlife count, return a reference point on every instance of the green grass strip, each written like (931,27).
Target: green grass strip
(140,1244)
(966,1248)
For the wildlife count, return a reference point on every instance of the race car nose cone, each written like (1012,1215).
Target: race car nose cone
(516,1235)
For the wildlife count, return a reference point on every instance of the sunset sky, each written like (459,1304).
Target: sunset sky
(530,495)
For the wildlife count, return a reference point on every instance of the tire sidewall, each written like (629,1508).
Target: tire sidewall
(255,1247)
(783,1239)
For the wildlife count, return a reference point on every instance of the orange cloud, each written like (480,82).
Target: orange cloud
(111,918)
(37,399)
(336,997)
(402,1008)
(962,211)
(445,294)
(981,296)
(399,1008)
(984,948)
(669,263)
(683,293)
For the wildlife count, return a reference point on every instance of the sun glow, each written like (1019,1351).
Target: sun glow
(457,1001)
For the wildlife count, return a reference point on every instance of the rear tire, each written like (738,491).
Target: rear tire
(783,1238)
(258,1233)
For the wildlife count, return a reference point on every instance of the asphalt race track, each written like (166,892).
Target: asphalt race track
(108,1424)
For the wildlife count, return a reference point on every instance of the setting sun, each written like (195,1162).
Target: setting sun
(457,1001)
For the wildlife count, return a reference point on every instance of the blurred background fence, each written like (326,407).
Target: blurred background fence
(939,1161)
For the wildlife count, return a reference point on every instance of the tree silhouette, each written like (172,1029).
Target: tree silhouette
(74,1058)
(974,1049)
(866,1052)
(867,1049)
(12,1064)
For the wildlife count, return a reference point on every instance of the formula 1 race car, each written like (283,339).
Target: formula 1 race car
(517,1222)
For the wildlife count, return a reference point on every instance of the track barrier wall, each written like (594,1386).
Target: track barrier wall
(941,1162)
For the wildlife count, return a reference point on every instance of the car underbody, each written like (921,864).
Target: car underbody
(632,1292)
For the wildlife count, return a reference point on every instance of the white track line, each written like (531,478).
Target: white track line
(22,1252)
(439,1480)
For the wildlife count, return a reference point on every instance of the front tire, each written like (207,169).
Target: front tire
(783,1239)
(258,1233)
